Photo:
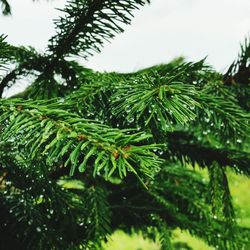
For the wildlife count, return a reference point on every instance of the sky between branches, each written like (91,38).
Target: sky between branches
(159,32)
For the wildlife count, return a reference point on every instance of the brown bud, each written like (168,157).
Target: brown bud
(116,154)
(81,137)
(19,107)
(126,148)
(43,117)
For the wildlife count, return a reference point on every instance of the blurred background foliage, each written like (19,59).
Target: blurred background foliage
(239,186)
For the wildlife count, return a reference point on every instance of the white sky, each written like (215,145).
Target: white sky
(159,32)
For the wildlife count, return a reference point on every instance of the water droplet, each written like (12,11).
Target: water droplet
(138,128)
(239,141)
(160,152)
(130,119)
(61,100)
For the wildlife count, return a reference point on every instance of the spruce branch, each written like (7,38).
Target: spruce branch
(67,119)
(171,197)
(158,100)
(59,134)
(99,218)
(30,202)
(221,199)
(88,23)
(239,70)
(163,230)
(225,115)
(25,59)
(190,150)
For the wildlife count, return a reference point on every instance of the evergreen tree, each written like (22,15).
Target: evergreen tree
(84,153)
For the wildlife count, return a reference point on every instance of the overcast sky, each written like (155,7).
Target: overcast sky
(159,32)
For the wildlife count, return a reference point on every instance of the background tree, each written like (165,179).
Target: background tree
(85,153)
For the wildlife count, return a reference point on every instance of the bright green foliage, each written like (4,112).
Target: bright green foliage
(84,153)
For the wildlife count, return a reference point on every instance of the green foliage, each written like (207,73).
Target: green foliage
(89,142)
(88,23)
(239,69)
(85,153)
(121,241)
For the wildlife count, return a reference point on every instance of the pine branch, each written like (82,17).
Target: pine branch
(242,93)
(196,73)
(61,129)
(172,197)
(160,103)
(47,86)
(10,53)
(30,202)
(239,70)
(164,232)
(217,233)
(155,101)
(188,149)
(98,220)
(4,47)
(93,98)
(221,199)
(26,61)
(61,135)
(88,23)
(223,115)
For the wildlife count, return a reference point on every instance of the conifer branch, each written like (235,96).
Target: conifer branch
(99,219)
(67,119)
(224,115)
(239,70)
(88,23)
(189,150)
(221,199)
(157,100)
(57,133)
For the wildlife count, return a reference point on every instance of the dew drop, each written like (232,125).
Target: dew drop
(239,141)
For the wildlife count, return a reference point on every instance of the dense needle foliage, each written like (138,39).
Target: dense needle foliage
(84,153)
